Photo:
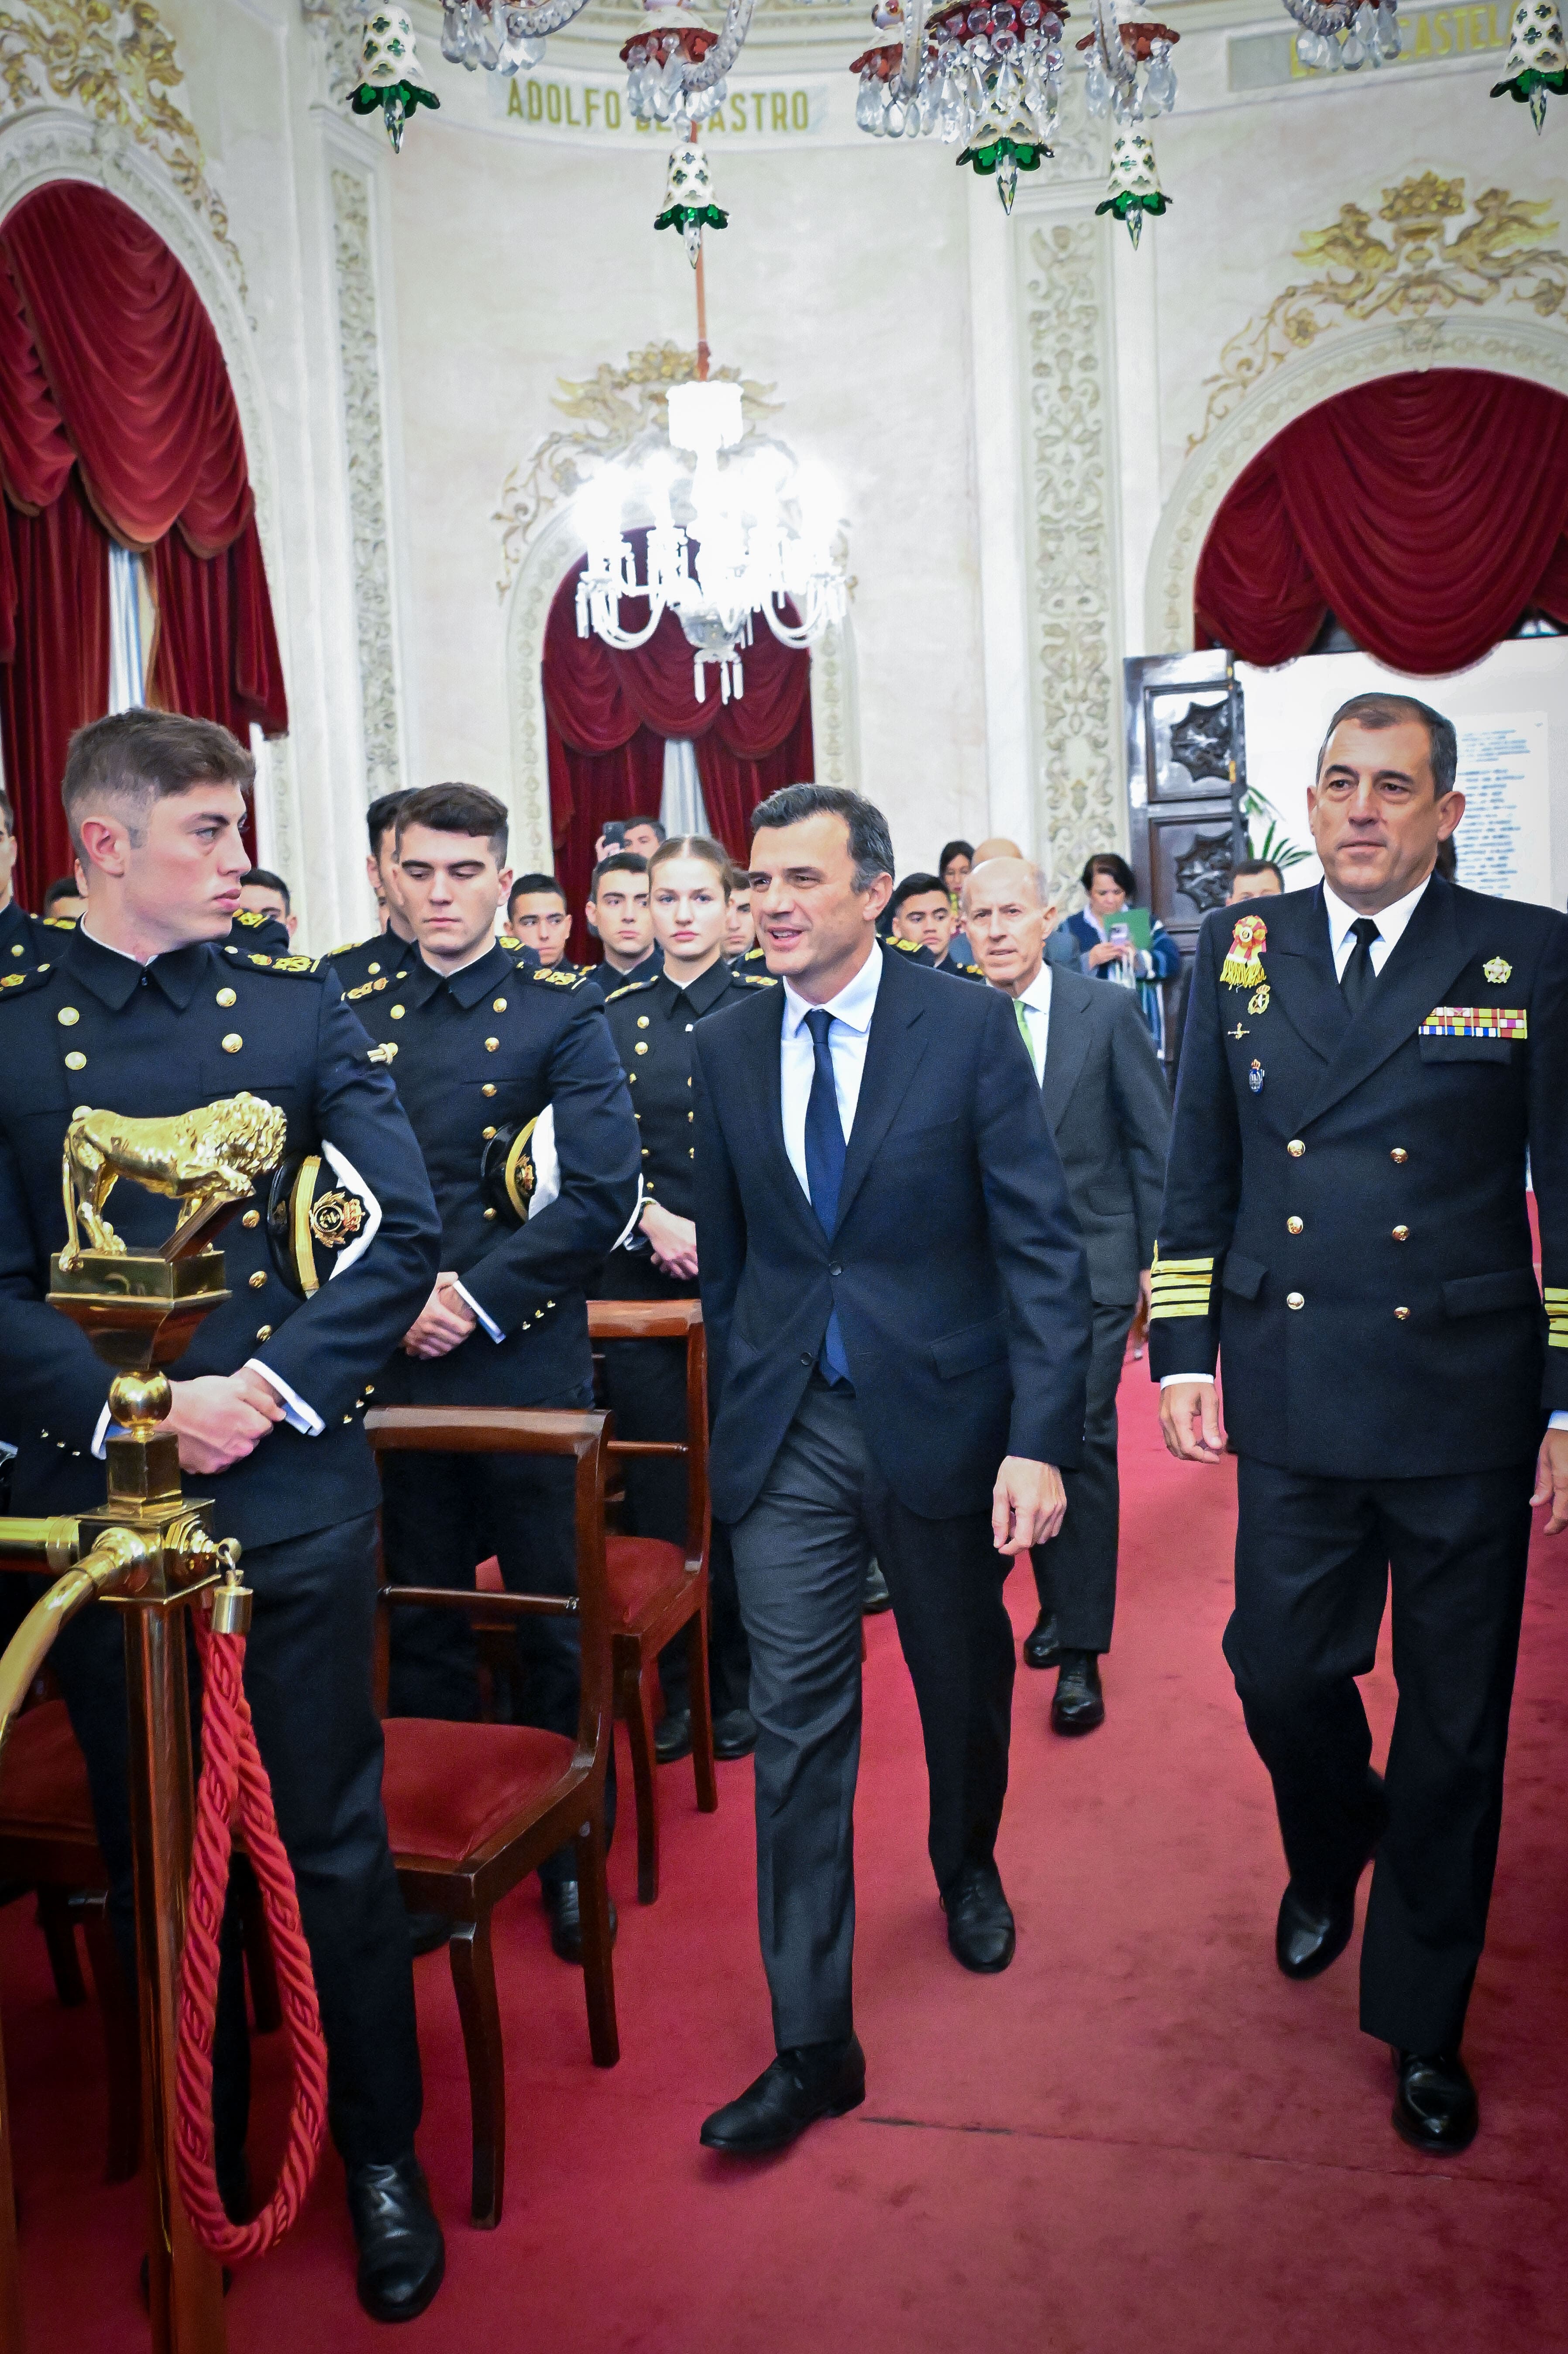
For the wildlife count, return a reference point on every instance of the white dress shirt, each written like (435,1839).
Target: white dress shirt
(1390,922)
(852,1011)
(1037,998)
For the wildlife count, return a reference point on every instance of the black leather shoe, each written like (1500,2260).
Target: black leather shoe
(735,1734)
(563,1905)
(876,1598)
(981,1932)
(428,1931)
(673,1736)
(1041,1647)
(1078,1704)
(818,2080)
(1435,2107)
(402,2255)
(1312,1931)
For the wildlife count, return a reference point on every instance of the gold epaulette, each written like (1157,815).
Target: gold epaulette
(293,964)
(60,923)
(897,940)
(1180,1286)
(13,983)
(1556,1316)
(349,946)
(561,976)
(759,980)
(627,989)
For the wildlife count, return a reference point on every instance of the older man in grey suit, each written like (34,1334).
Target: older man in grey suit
(1105,1099)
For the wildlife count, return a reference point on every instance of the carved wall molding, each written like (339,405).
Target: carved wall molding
(359,349)
(1504,346)
(1069,467)
(115,58)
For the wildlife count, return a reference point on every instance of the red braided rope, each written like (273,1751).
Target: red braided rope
(233,1780)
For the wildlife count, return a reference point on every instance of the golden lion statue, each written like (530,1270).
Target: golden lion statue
(204,1158)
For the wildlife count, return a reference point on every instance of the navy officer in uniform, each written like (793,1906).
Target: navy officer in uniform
(22,936)
(651,1022)
(367,959)
(148,1008)
(1366,1066)
(509,1078)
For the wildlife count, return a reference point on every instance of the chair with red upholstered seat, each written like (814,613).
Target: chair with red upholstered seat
(655,1589)
(471,1808)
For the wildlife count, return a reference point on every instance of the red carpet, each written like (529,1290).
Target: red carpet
(1141,2140)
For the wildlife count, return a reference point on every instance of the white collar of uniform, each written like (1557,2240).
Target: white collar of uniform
(854,1003)
(109,946)
(1391,920)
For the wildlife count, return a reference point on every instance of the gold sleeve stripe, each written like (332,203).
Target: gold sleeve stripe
(1169,1291)
(1180,1265)
(1170,1311)
(1557,1297)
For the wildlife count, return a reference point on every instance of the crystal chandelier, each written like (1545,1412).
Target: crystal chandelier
(1342,35)
(1129,76)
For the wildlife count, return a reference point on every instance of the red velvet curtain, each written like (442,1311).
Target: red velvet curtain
(1427,512)
(608,716)
(117,419)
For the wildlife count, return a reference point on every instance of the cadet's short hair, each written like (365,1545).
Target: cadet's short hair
(652,823)
(382,816)
(135,757)
(916,886)
(739,879)
(870,845)
(619,861)
(64,887)
(694,845)
(6,810)
(1111,863)
(526,885)
(455,809)
(261,878)
(1377,710)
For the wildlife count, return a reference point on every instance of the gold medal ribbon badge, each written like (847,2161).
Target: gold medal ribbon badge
(1243,967)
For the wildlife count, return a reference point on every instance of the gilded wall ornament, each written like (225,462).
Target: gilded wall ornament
(1442,252)
(116,60)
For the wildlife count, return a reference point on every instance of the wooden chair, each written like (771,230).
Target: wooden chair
(471,1808)
(654,1588)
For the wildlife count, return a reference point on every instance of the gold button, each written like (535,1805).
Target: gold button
(490,1044)
(642,1021)
(1399,1153)
(17,949)
(226,997)
(490,1213)
(1402,1315)
(1402,1233)
(498,1005)
(1294,1299)
(487,1133)
(232,1043)
(67,1017)
(1296,1148)
(487,1089)
(645,1152)
(691,1114)
(640,1048)
(258,1280)
(373,968)
(370,1389)
(263,1331)
(76,1062)
(398,1012)
(1292,1225)
(252,1218)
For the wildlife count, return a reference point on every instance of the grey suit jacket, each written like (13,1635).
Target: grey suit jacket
(1110,1108)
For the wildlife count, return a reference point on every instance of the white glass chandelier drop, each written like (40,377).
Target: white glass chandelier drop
(726,541)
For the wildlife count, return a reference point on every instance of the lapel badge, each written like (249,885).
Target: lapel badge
(1497,969)
(1255,1078)
(1241,968)
(1258,1001)
(1241,1031)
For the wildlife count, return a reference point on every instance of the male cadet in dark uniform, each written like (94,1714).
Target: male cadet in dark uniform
(1365,1066)
(923,913)
(652,1022)
(146,1008)
(367,959)
(23,938)
(538,916)
(494,1058)
(618,909)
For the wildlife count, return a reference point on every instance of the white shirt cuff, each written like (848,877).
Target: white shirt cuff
(101,1435)
(1558,1421)
(296,1413)
(488,1322)
(1166,1379)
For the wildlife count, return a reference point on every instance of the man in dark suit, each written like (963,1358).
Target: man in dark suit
(1367,1065)
(148,1008)
(1110,1112)
(896,1306)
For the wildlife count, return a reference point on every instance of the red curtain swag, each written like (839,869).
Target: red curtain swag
(117,420)
(1427,512)
(608,716)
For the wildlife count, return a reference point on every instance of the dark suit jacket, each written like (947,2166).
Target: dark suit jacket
(1110,1108)
(1398,1330)
(955,1266)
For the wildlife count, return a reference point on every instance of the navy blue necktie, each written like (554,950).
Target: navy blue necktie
(826,1170)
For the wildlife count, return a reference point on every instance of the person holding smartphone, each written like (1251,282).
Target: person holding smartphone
(1117,942)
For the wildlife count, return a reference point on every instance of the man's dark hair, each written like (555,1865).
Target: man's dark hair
(1395,711)
(261,878)
(916,886)
(1246,866)
(382,815)
(6,810)
(619,861)
(138,757)
(870,845)
(455,809)
(951,850)
(1448,860)
(64,887)
(527,883)
(1111,863)
(652,821)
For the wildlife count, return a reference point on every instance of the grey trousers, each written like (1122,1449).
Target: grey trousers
(1075,1574)
(800,1556)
